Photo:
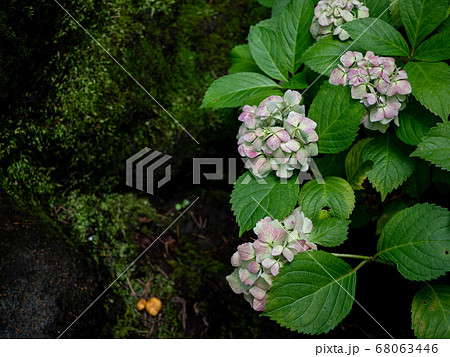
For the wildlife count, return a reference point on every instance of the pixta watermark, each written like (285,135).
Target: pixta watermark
(142,166)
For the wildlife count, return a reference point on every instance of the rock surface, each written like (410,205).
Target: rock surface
(44,282)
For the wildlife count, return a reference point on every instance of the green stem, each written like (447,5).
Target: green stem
(365,257)
(360,265)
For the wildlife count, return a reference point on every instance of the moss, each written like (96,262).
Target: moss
(70,115)
(73,113)
(192,266)
(131,323)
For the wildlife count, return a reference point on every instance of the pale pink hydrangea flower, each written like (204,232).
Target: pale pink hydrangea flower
(330,15)
(277,136)
(256,264)
(376,82)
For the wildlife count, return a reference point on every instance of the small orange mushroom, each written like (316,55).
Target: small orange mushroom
(153,306)
(141,304)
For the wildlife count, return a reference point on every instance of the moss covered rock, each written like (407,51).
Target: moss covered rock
(45,283)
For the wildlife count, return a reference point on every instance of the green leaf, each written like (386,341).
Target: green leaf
(391,164)
(242,60)
(436,48)
(421,17)
(378,8)
(293,27)
(417,184)
(415,121)
(270,24)
(267,3)
(445,26)
(332,164)
(435,146)
(253,199)
(430,84)
(389,211)
(258,96)
(313,293)
(377,36)
(279,6)
(430,312)
(323,56)
(336,195)
(417,239)
(355,167)
(396,19)
(329,232)
(338,117)
(233,90)
(297,82)
(268,53)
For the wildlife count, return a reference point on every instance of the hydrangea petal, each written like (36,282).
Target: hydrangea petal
(246,251)
(287,253)
(235,282)
(258,293)
(246,277)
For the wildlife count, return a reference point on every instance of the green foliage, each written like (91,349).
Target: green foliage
(417,239)
(430,84)
(279,6)
(378,8)
(355,167)
(338,117)
(267,52)
(233,90)
(391,164)
(415,122)
(335,194)
(413,238)
(242,60)
(421,17)
(332,164)
(297,82)
(444,26)
(313,293)
(377,36)
(435,146)
(430,312)
(293,26)
(390,210)
(396,19)
(323,56)
(436,48)
(269,24)
(329,231)
(254,199)
(420,180)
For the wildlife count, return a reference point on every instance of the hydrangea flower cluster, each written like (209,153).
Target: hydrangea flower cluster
(378,83)
(276,136)
(329,15)
(259,262)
